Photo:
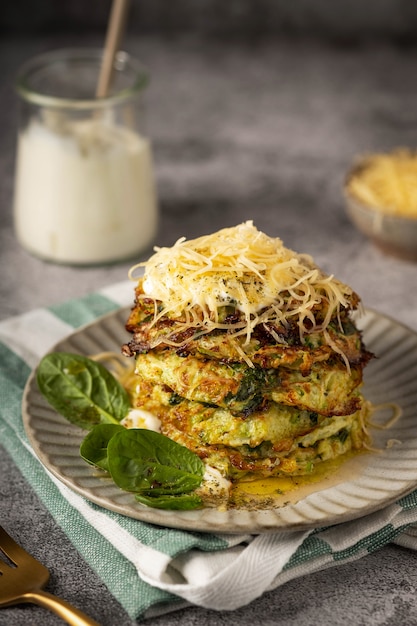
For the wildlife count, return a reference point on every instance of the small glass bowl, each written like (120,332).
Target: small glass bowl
(393,233)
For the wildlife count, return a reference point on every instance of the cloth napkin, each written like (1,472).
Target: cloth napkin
(151,569)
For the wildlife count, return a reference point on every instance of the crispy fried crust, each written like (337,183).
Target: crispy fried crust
(263,349)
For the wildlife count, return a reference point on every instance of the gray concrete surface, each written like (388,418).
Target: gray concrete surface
(262,131)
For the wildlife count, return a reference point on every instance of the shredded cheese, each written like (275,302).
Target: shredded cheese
(387,182)
(244,268)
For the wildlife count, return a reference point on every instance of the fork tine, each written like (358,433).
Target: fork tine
(9,547)
(20,572)
(25,582)
(22,560)
(13,550)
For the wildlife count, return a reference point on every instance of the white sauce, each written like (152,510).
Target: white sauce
(84,192)
(139,418)
(213,290)
(215,489)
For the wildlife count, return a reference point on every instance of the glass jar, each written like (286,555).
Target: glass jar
(84,187)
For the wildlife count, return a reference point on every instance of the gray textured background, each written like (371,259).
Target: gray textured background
(340,20)
(256,110)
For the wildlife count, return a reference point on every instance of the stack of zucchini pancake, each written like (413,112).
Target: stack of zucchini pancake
(248,355)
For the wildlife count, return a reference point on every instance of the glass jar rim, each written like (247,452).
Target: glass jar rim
(92,54)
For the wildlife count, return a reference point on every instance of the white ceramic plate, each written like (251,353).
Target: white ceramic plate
(383,477)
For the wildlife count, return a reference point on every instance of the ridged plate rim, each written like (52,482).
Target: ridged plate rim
(384,478)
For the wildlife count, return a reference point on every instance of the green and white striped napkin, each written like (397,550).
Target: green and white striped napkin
(150,569)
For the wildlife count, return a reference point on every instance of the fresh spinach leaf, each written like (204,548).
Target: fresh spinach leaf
(93,448)
(82,390)
(151,464)
(185,502)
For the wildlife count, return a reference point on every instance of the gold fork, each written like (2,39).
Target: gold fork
(23,581)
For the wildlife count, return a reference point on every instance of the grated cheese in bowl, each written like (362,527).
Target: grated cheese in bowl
(387,182)
(381,198)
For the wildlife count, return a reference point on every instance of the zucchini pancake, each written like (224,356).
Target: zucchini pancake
(247,354)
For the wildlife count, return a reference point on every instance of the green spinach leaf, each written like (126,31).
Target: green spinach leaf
(185,502)
(82,390)
(93,448)
(151,464)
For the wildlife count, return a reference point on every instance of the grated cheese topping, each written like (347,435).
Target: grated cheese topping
(246,269)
